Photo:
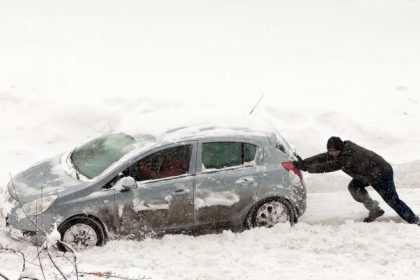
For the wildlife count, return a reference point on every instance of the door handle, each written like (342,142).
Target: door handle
(245,181)
(180,192)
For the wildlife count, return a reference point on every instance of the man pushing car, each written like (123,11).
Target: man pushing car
(367,169)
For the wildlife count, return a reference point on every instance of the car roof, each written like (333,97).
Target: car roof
(180,134)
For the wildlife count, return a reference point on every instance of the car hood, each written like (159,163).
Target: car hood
(45,178)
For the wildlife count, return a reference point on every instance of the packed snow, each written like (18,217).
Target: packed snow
(73,71)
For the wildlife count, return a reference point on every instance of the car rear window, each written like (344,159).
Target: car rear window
(218,155)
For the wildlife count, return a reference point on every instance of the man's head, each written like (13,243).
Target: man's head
(334,146)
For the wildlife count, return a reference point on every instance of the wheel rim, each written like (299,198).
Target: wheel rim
(80,236)
(271,213)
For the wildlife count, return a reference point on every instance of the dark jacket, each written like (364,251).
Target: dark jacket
(356,161)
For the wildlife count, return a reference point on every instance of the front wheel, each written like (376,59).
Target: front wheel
(82,233)
(270,213)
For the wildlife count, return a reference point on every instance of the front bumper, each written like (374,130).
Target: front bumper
(20,235)
(23,235)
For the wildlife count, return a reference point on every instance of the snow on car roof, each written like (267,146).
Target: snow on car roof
(229,126)
(197,132)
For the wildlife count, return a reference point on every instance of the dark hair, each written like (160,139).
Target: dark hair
(335,143)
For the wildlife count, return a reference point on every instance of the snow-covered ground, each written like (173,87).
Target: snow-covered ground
(330,242)
(70,71)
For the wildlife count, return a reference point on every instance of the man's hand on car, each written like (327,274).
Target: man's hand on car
(300,164)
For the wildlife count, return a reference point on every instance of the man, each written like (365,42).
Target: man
(367,169)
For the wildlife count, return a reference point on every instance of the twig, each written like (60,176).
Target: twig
(53,262)
(37,246)
(109,274)
(74,257)
(66,258)
(18,200)
(16,252)
(27,216)
(1,275)
(35,223)
(23,259)
(32,263)
(45,245)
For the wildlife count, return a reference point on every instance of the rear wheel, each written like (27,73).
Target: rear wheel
(81,233)
(270,213)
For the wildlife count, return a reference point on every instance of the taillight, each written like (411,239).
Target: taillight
(290,167)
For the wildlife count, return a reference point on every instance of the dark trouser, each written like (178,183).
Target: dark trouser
(386,190)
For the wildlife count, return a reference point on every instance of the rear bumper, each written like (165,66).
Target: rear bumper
(300,198)
(301,208)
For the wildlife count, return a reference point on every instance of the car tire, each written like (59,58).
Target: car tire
(270,212)
(81,233)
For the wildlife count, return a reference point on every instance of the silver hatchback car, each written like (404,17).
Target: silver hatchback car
(120,186)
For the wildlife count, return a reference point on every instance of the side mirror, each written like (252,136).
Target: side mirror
(128,183)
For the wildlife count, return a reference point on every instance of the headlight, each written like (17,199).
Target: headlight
(38,206)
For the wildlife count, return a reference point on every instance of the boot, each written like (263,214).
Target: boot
(373,214)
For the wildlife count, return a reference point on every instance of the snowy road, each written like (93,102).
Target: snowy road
(329,242)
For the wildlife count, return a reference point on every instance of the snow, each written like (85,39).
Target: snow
(7,202)
(53,237)
(329,242)
(225,198)
(139,205)
(73,71)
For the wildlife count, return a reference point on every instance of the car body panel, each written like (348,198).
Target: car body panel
(159,204)
(42,179)
(155,206)
(280,182)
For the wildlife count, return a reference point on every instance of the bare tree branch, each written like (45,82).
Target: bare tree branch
(4,277)
(16,252)
(36,241)
(113,275)
(18,200)
(35,223)
(74,257)
(45,245)
(53,262)
(66,258)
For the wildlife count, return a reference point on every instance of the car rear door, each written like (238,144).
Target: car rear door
(227,180)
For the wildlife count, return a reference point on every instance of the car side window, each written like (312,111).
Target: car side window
(218,155)
(166,163)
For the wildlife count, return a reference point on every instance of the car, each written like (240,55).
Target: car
(123,186)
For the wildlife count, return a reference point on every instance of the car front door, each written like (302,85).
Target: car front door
(227,180)
(164,197)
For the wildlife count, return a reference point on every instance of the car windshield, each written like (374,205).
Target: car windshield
(97,155)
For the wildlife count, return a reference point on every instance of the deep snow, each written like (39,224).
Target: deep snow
(70,71)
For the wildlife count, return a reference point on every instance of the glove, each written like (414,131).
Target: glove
(300,164)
